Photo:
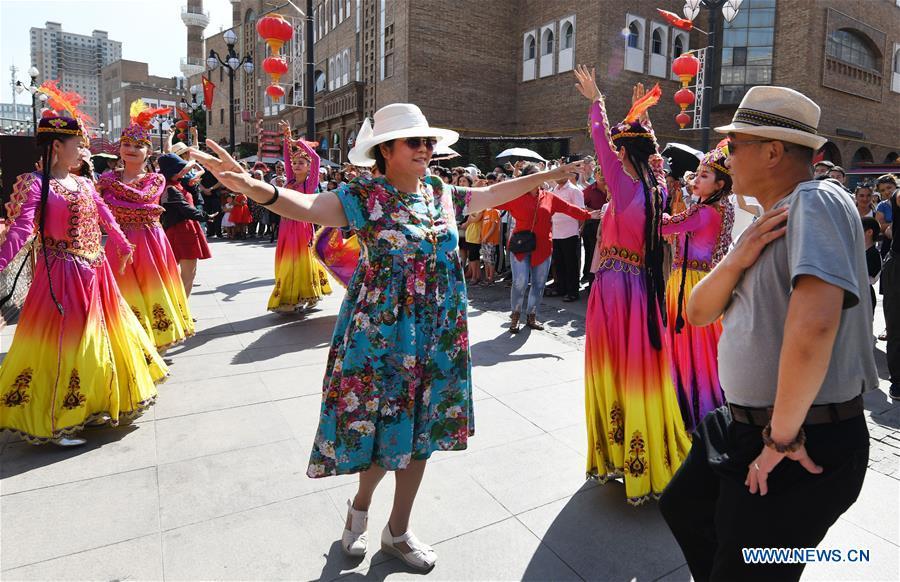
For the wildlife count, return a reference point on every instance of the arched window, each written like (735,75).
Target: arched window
(547,48)
(831,153)
(657,43)
(532,49)
(319,81)
(678,47)
(634,35)
(568,35)
(861,155)
(891,158)
(852,47)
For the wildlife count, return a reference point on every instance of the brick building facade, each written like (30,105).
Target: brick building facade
(502,68)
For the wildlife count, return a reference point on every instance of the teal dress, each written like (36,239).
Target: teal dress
(398,379)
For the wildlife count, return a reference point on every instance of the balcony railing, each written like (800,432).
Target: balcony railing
(192,18)
(191,66)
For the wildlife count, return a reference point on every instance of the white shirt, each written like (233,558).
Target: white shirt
(564,226)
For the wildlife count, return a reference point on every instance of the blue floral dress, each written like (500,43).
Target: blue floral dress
(398,379)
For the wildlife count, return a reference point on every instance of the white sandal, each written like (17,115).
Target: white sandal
(355,540)
(421,556)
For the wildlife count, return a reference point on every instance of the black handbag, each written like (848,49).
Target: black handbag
(15,281)
(525,241)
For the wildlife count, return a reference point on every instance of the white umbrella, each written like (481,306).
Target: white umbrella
(520,153)
(682,158)
(444,153)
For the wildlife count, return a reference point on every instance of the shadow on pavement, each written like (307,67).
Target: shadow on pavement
(500,349)
(232,290)
(601,537)
(299,335)
(21,457)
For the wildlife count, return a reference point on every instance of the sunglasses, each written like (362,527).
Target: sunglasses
(733,145)
(416,142)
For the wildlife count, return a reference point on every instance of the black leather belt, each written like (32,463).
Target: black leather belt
(818,414)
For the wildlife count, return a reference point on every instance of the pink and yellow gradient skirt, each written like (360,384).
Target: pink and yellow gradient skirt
(634,426)
(695,355)
(63,371)
(299,278)
(152,287)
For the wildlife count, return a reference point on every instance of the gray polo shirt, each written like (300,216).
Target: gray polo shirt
(824,239)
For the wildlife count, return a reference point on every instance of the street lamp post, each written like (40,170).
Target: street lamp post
(192,107)
(232,63)
(310,73)
(716,8)
(36,94)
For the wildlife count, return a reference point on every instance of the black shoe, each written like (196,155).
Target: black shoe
(570,298)
(587,278)
(895,391)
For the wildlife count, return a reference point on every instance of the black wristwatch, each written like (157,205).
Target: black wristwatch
(271,200)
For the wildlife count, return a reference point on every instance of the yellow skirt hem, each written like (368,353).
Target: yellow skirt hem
(124,417)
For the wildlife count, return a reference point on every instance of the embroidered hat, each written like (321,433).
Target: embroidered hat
(715,158)
(140,129)
(778,113)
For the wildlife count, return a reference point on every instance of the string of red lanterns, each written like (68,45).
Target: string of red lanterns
(276,31)
(686,68)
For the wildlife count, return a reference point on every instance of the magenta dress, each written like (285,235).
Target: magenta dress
(151,284)
(634,424)
(93,359)
(695,349)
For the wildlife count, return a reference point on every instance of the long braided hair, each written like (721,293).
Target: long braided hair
(45,142)
(639,151)
(717,196)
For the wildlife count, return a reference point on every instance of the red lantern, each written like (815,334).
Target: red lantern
(682,119)
(686,67)
(275,67)
(275,30)
(182,124)
(275,92)
(684,97)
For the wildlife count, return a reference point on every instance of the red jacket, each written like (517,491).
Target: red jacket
(522,210)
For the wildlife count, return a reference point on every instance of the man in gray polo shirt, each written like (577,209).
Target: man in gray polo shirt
(787,456)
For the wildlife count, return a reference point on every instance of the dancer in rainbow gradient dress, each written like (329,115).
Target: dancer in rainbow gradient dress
(634,425)
(151,284)
(704,236)
(300,281)
(79,356)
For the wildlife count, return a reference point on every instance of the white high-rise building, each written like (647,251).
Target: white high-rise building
(75,60)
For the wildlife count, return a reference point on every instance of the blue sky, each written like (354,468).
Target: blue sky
(149,30)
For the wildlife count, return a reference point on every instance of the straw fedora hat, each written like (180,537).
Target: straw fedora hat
(777,113)
(395,121)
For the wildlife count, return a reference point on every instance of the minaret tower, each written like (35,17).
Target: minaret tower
(196,20)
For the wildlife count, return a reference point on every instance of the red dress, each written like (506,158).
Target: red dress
(240,214)
(187,238)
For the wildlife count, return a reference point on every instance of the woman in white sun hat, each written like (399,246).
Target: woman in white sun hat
(398,380)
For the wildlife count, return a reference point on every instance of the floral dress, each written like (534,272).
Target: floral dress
(397,384)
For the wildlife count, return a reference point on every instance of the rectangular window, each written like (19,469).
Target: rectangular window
(388,65)
(222,115)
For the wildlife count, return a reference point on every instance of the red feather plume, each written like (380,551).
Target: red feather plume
(64,102)
(643,104)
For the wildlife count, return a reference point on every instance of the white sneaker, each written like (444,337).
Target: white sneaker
(421,556)
(68,442)
(355,540)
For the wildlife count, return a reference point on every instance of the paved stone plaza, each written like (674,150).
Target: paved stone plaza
(211,483)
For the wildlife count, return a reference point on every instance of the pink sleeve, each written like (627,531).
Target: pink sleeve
(21,210)
(312,177)
(688,221)
(619,184)
(115,235)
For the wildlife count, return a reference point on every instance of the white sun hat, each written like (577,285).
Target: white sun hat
(778,113)
(396,121)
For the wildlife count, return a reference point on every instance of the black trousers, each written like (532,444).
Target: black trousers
(713,515)
(890,289)
(566,260)
(589,240)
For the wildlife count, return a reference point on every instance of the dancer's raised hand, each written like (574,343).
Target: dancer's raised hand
(586,83)
(565,171)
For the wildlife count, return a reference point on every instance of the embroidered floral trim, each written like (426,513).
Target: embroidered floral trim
(160,321)
(18,393)
(74,398)
(636,463)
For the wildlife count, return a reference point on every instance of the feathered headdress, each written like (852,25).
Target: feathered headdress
(64,103)
(141,116)
(632,126)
